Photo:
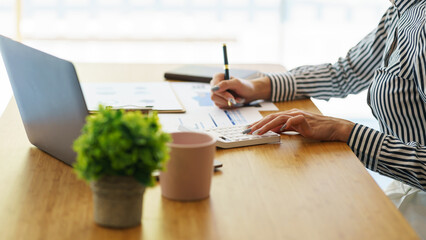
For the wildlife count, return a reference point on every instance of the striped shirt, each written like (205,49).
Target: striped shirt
(391,62)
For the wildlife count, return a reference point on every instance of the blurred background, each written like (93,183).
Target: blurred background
(288,32)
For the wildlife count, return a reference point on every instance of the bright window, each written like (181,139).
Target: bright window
(291,32)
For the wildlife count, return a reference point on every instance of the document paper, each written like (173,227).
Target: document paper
(201,113)
(197,95)
(158,95)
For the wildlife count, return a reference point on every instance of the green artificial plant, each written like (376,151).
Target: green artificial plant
(119,143)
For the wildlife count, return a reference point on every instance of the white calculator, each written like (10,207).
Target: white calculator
(231,137)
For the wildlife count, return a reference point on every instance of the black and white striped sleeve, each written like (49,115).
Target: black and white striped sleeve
(389,156)
(349,75)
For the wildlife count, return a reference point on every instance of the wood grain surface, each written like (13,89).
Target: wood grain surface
(299,189)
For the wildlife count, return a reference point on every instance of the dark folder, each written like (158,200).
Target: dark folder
(201,73)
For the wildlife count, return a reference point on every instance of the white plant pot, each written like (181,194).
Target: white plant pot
(117,201)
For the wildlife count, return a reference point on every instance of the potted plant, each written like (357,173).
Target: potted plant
(117,153)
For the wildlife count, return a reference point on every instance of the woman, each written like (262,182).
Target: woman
(391,63)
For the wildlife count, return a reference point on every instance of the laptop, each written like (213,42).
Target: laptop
(49,98)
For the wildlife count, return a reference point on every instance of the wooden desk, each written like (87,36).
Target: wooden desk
(299,189)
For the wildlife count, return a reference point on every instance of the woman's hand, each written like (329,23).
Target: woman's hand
(234,92)
(310,125)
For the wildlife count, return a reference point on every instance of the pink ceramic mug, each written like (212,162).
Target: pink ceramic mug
(189,171)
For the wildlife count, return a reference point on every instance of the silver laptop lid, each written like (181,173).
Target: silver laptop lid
(49,98)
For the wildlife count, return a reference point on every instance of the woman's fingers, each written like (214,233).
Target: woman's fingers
(238,91)
(309,125)
(219,101)
(222,91)
(291,120)
(272,122)
(233,84)
(299,124)
(225,96)
(216,79)
(219,96)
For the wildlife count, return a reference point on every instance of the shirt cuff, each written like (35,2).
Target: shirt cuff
(366,143)
(283,86)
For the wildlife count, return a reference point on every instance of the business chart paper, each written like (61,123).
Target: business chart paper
(209,118)
(201,113)
(156,95)
(197,96)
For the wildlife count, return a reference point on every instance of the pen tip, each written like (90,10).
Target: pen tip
(224,44)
